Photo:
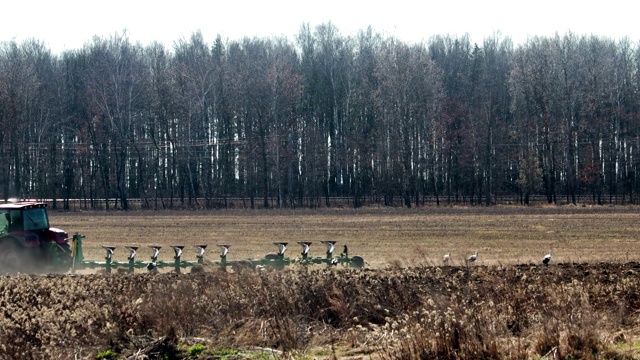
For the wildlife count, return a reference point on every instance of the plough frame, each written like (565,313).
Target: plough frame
(274,260)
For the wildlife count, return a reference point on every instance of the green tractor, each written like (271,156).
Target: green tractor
(28,244)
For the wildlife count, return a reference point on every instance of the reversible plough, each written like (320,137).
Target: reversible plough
(276,260)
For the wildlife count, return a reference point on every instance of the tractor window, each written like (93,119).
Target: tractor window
(35,219)
(5,219)
(16,220)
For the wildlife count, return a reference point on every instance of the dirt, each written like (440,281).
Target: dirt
(384,237)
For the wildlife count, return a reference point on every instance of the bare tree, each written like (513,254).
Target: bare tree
(115,85)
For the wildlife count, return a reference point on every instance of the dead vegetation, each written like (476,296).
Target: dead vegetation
(560,311)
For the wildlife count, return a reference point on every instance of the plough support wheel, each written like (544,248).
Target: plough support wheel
(357,262)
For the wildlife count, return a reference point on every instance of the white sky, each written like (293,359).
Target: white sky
(69,24)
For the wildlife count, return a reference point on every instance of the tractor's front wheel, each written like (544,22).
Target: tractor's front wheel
(60,257)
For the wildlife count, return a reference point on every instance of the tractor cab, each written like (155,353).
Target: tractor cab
(27,218)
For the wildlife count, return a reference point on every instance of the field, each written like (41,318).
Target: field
(405,305)
(502,235)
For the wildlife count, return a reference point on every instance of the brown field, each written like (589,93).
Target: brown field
(585,305)
(409,237)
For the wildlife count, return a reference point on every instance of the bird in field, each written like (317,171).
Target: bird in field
(547,258)
(446,257)
(473,257)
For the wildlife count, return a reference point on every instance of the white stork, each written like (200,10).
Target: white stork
(473,257)
(446,257)
(547,258)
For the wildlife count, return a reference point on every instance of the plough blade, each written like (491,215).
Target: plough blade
(331,247)
(178,250)
(201,250)
(306,246)
(156,252)
(109,250)
(224,249)
(282,247)
(132,252)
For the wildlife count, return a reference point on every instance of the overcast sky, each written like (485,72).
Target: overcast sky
(69,24)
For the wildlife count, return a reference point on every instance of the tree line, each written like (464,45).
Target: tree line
(280,122)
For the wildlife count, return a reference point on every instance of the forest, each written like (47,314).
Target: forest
(321,119)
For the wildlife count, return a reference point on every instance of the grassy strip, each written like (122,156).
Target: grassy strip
(571,310)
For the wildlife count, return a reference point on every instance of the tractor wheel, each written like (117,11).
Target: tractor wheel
(14,258)
(66,250)
(63,259)
(357,262)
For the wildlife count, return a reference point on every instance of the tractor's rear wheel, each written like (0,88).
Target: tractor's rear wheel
(14,258)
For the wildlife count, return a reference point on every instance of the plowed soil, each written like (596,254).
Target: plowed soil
(409,237)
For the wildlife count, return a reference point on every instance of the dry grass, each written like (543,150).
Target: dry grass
(503,235)
(569,311)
